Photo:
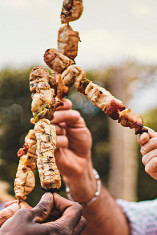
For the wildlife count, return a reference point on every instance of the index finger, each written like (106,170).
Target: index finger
(22,204)
(8,212)
(70,117)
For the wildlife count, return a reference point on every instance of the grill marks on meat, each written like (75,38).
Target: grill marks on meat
(44,103)
(24,182)
(56,61)
(68,41)
(43,98)
(25,179)
(103,99)
(46,144)
(100,97)
(71,10)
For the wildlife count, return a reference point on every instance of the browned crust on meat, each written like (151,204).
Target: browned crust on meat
(113,110)
(68,41)
(56,60)
(132,120)
(71,10)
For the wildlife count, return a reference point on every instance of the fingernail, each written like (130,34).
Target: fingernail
(47,197)
(143,136)
(14,207)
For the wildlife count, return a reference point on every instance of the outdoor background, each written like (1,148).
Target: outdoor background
(118,50)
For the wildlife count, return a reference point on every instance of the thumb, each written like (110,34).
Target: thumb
(43,209)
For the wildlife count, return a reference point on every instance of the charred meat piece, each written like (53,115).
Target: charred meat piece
(132,120)
(46,144)
(113,110)
(71,10)
(56,60)
(68,41)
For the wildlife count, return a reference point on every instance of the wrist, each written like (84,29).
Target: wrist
(94,198)
(84,189)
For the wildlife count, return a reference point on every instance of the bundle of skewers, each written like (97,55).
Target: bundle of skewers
(47,91)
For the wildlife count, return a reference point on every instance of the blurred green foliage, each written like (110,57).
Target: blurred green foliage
(15,114)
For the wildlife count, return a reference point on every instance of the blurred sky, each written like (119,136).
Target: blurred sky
(110,31)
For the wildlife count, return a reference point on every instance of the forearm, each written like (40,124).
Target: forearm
(104,216)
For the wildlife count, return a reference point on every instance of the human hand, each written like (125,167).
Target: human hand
(10,209)
(148,142)
(40,219)
(73,155)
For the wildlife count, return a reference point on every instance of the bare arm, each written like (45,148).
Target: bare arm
(73,159)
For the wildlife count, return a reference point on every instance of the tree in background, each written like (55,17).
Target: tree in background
(125,81)
(15,114)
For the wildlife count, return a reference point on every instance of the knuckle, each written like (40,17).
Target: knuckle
(147,169)
(154,166)
(143,151)
(144,160)
(75,114)
(78,208)
(42,208)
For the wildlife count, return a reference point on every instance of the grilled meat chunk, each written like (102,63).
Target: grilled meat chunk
(132,120)
(56,60)
(24,182)
(68,41)
(46,144)
(71,10)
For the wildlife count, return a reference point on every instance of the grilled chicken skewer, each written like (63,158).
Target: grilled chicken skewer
(44,88)
(44,103)
(46,145)
(71,10)
(25,179)
(100,97)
